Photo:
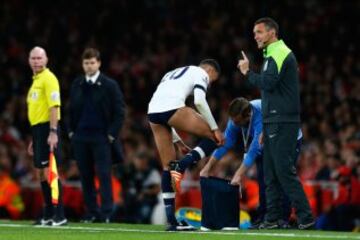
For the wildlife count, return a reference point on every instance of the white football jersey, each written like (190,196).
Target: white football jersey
(176,86)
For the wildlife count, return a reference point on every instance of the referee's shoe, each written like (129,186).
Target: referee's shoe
(51,222)
(59,222)
(43,222)
(181,226)
(269,225)
(307,226)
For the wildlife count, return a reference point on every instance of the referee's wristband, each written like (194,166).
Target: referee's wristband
(53,130)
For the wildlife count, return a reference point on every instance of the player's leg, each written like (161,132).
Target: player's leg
(164,144)
(166,149)
(188,120)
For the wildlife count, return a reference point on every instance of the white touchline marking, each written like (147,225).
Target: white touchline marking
(99,229)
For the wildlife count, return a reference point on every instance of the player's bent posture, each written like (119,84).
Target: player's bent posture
(245,124)
(167,109)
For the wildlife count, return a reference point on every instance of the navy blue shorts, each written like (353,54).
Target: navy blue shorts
(40,134)
(161,118)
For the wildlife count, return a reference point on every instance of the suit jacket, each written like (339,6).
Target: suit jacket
(108,101)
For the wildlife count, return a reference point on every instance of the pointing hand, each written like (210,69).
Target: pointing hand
(243,64)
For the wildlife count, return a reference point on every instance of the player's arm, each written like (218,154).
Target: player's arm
(201,82)
(204,109)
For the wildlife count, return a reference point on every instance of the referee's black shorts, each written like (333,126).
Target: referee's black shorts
(40,134)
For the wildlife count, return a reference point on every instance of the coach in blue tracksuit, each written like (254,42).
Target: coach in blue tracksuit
(246,123)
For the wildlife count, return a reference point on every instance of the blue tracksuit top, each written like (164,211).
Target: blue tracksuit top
(233,132)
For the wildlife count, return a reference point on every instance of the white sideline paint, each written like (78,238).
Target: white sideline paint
(239,233)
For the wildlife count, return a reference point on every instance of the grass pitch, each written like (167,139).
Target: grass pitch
(23,230)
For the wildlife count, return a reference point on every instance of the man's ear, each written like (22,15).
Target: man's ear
(273,33)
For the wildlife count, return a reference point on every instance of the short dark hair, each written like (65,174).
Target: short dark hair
(269,24)
(91,53)
(213,63)
(142,155)
(239,106)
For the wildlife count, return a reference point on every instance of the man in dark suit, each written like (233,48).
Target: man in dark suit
(96,115)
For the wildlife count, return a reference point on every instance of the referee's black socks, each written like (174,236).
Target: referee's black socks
(59,211)
(48,210)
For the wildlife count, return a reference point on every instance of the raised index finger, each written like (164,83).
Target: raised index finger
(244,56)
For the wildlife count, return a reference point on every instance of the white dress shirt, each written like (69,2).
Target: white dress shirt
(92,79)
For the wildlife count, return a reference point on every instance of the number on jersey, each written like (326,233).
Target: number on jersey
(175,74)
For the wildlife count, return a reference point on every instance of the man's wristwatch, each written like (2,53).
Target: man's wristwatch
(53,130)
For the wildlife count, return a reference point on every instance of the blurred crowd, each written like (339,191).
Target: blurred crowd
(140,41)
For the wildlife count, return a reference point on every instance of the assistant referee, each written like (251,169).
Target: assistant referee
(43,103)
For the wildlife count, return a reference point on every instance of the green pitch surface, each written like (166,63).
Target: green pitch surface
(21,230)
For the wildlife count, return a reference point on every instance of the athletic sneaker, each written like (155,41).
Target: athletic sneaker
(269,225)
(284,224)
(205,229)
(229,229)
(59,222)
(176,175)
(90,219)
(307,226)
(182,226)
(256,224)
(43,222)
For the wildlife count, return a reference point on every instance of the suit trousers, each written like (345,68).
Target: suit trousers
(94,158)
